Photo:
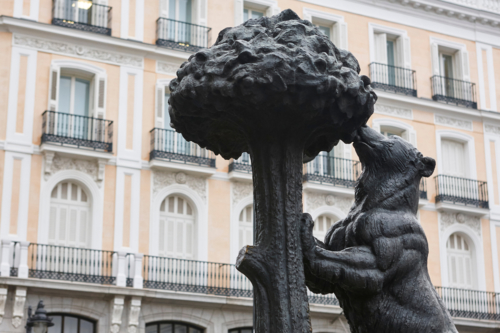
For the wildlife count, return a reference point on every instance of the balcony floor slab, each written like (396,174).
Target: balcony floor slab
(75,152)
(240,176)
(448,207)
(328,189)
(184,167)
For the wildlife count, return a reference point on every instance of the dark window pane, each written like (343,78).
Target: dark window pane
(246,330)
(152,328)
(57,320)
(166,328)
(70,325)
(180,329)
(86,326)
(194,330)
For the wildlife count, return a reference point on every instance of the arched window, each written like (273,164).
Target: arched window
(453,158)
(245,226)
(390,128)
(460,262)
(69,221)
(64,323)
(242,330)
(177,228)
(322,224)
(172,327)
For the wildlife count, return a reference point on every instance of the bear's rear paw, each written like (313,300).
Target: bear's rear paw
(306,233)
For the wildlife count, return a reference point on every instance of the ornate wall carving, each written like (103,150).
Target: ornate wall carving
(240,190)
(93,168)
(492,129)
(167,67)
(52,46)
(116,313)
(3,301)
(18,310)
(449,219)
(162,179)
(316,200)
(453,122)
(394,111)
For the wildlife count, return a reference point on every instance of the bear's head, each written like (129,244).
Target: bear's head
(392,170)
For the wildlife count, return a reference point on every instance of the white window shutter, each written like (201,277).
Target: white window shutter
(380,48)
(308,17)
(164,8)
(273,10)
(160,104)
(53,224)
(238,12)
(404,52)
(376,126)
(412,137)
(55,73)
(201,12)
(342,33)
(347,151)
(435,59)
(464,62)
(100,96)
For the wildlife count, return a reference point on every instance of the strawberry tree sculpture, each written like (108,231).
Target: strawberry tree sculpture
(279,89)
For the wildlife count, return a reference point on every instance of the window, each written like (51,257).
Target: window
(460,265)
(71,324)
(332,163)
(322,224)
(389,131)
(245,223)
(333,26)
(172,327)
(453,158)
(69,216)
(177,228)
(251,14)
(242,330)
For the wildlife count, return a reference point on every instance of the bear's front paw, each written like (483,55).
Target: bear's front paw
(306,233)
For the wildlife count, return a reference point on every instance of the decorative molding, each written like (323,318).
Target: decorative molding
(394,111)
(167,67)
(162,179)
(240,190)
(116,313)
(449,219)
(492,129)
(55,163)
(316,200)
(133,315)
(453,122)
(77,50)
(18,310)
(3,301)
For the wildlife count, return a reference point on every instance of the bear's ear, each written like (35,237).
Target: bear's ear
(426,166)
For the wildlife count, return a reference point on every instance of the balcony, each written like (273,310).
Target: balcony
(473,304)
(461,192)
(393,79)
(82,15)
(328,170)
(170,150)
(241,168)
(77,131)
(182,36)
(451,91)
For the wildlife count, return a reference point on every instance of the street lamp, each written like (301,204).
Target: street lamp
(39,322)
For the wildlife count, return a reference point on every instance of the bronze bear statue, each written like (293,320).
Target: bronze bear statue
(375,260)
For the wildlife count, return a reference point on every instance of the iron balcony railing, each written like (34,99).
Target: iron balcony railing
(392,78)
(80,131)
(454,91)
(456,190)
(333,170)
(205,278)
(241,164)
(423,189)
(180,35)
(82,15)
(71,264)
(169,145)
(475,304)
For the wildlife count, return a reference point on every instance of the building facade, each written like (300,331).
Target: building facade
(120,225)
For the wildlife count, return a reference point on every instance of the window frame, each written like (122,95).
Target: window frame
(409,133)
(239,329)
(470,152)
(79,317)
(337,24)
(402,46)
(174,322)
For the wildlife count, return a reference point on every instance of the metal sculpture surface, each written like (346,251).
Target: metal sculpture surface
(277,88)
(375,260)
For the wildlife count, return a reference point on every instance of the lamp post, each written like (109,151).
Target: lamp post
(39,322)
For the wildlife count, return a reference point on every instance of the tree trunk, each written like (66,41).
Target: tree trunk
(274,264)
